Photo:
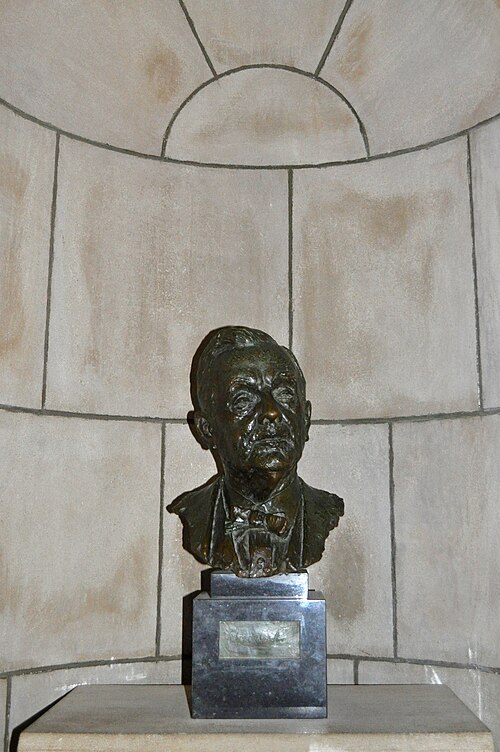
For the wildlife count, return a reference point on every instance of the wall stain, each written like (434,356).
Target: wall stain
(348,593)
(13,177)
(93,271)
(278,124)
(163,71)
(417,279)
(231,56)
(393,246)
(390,219)
(14,181)
(353,63)
(122,595)
(12,313)
(325,115)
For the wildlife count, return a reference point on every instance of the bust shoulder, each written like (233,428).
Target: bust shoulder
(192,502)
(322,511)
(323,502)
(196,509)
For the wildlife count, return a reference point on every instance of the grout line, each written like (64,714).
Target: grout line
(186,162)
(485,412)
(364,136)
(393,544)
(414,662)
(169,658)
(91,416)
(290,259)
(75,137)
(266,167)
(196,36)
(406,418)
(88,664)
(176,114)
(160,543)
(7,714)
(160,158)
(332,39)
(474,271)
(355,671)
(49,272)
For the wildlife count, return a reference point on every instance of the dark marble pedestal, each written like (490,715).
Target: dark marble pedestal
(259,649)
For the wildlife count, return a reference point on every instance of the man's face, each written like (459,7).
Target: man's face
(260,418)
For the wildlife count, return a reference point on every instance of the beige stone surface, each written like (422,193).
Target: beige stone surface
(148,258)
(447,485)
(266,116)
(339,671)
(33,692)
(111,72)
(379,719)
(3,707)
(384,320)
(187,466)
(78,539)
(479,690)
(26,177)
(284,32)
(418,71)
(485,162)
(355,571)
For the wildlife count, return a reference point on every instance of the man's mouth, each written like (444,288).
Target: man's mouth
(282,443)
(272,440)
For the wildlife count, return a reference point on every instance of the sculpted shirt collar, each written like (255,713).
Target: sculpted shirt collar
(285,502)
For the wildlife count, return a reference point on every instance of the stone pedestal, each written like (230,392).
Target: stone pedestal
(259,649)
(142,718)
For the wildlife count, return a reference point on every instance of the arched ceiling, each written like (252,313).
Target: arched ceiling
(117,73)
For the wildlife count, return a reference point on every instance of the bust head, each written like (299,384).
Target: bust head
(256,517)
(252,408)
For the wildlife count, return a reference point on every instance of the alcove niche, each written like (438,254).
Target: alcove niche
(327,171)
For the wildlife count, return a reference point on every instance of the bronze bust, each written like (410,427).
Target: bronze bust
(257,518)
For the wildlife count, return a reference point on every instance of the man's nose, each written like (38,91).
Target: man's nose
(269,409)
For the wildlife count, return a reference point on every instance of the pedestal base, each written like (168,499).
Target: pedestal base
(259,649)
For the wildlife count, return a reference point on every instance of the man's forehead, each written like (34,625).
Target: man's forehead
(257,358)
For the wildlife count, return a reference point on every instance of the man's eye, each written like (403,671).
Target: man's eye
(284,394)
(242,401)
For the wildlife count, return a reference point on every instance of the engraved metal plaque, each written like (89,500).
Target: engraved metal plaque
(259,640)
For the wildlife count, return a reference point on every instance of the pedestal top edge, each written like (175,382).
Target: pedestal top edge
(228,585)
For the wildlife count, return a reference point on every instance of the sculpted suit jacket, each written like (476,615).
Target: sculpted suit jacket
(203,517)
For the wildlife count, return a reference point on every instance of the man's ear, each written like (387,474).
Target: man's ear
(307,418)
(204,430)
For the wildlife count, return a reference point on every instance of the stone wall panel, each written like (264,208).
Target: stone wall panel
(384,318)
(27,154)
(148,258)
(447,485)
(78,539)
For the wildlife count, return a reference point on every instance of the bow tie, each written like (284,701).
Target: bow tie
(274,523)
